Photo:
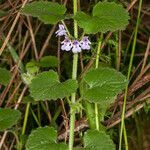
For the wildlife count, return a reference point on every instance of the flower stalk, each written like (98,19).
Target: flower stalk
(74,76)
(96,66)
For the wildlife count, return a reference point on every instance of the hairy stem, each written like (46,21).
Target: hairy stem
(96,66)
(74,76)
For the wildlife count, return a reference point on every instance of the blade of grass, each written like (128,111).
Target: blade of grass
(128,76)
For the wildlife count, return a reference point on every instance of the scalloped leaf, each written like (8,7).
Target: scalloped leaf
(46,86)
(98,140)
(106,16)
(4,76)
(47,12)
(44,138)
(104,84)
(8,118)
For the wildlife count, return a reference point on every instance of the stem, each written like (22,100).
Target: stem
(35,118)
(74,76)
(25,119)
(96,116)
(128,76)
(20,145)
(66,28)
(125,138)
(96,66)
(98,51)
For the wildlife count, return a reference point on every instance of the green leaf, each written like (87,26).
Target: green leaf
(44,138)
(48,12)
(88,23)
(4,76)
(46,86)
(112,16)
(98,140)
(32,67)
(103,85)
(106,16)
(48,61)
(8,118)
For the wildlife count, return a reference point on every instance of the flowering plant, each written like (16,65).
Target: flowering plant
(97,88)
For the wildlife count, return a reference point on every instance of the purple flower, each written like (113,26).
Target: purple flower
(85,43)
(66,44)
(61,31)
(76,46)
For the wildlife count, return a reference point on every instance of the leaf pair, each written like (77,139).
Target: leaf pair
(44,138)
(106,16)
(103,85)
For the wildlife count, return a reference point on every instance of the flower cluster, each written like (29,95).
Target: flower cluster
(67,44)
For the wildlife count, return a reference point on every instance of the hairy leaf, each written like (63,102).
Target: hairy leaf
(48,12)
(106,16)
(98,140)
(44,138)
(4,76)
(104,84)
(8,118)
(46,86)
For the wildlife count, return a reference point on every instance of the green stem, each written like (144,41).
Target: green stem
(128,76)
(98,51)
(35,118)
(66,28)
(24,125)
(96,116)
(96,66)
(74,76)
(25,119)
(125,138)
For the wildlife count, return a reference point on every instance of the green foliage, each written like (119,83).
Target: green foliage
(46,86)
(48,12)
(103,85)
(44,138)
(48,61)
(32,67)
(27,78)
(4,76)
(8,118)
(106,16)
(98,140)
